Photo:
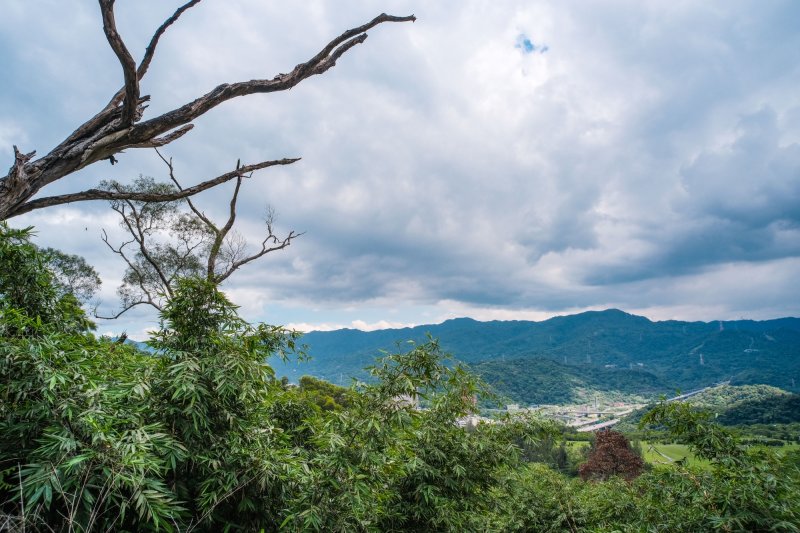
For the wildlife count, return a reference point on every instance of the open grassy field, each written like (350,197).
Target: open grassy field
(656,454)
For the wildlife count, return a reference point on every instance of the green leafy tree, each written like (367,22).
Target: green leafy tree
(96,435)
(31,298)
(326,395)
(383,465)
(77,448)
(214,390)
(73,275)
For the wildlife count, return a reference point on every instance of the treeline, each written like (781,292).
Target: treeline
(725,397)
(200,434)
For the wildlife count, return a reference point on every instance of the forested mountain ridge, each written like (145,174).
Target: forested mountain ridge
(680,355)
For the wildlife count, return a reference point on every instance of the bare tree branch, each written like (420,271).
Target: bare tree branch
(124,310)
(118,125)
(151,48)
(174,180)
(16,186)
(166,139)
(148,298)
(101,194)
(139,235)
(221,233)
(264,250)
(131,98)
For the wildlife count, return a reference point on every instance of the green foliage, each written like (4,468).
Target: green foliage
(97,435)
(724,397)
(745,489)
(396,468)
(197,434)
(787,433)
(73,275)
(537,499)
(214,389)
(76,426)
(756,410)
(741,490)
(326,396)
(77,444)
(31,300)
(552,449)
(783,409)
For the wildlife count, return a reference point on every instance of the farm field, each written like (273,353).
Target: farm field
(655,453)
(659,454)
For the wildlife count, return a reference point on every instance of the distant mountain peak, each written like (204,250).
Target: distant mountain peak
(460,320)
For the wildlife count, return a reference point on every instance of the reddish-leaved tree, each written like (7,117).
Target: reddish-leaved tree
(610,456)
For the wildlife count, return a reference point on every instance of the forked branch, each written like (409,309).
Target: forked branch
(118,126)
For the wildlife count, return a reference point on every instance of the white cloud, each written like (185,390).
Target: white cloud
(445,172)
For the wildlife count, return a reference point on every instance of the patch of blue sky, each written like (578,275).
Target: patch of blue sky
(527,46)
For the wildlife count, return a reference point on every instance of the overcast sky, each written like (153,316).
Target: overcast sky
(498,160)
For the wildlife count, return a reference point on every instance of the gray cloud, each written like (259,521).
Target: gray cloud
(755,180)
(652,151)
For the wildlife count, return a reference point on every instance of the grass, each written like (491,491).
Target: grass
(659,454)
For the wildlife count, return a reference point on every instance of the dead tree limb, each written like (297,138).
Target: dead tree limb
(119,125)
(102,194)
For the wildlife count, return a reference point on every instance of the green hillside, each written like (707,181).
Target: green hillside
(744,405)
(750,404)
(784,409)
(543,381)
(677,355)
(720,399)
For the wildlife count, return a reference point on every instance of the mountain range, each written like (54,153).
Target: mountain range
(600,350)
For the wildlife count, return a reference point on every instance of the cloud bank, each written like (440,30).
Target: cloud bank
(649,160)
